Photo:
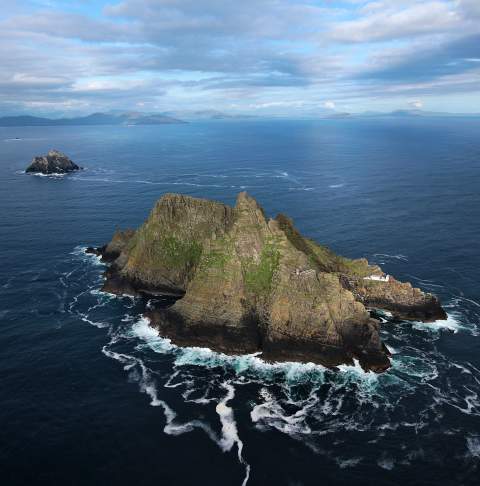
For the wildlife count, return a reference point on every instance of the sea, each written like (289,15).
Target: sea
(91,395)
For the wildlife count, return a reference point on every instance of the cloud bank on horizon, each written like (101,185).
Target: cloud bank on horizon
(250,56)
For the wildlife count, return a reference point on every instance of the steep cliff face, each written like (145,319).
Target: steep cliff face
(245,283)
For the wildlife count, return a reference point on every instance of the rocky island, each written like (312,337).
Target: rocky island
(53,163)
(239,282)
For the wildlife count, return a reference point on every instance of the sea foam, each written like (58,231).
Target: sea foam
(451,323)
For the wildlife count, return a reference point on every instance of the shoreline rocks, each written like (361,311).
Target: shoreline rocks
(54,162)
(230,279)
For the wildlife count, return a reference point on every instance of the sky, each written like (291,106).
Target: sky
(262,57)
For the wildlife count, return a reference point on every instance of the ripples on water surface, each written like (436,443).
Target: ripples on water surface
(91,394)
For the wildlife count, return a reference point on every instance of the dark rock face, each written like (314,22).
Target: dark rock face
(53,163)
(242,283)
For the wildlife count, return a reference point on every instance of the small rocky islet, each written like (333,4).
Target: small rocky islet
(239,283)
(54,162)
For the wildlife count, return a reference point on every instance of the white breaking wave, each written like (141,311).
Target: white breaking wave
(451,323)
(53,175)
(79,251)
(143,330)
(147,333)
(205,357)
(229,428)
(392,350)
(270,413)
(99,324)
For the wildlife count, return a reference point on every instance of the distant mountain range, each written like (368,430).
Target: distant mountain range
(173,117)
(207,115)
(413,113)
(120,118)
(327,115)
(130,118)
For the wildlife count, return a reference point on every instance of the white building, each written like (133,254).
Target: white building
(378,278)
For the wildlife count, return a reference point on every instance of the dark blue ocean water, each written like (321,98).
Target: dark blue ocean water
(89,395)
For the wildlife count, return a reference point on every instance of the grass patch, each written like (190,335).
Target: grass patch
(168,251)
(258,277)
(357,268)
(326,260)
(178,253)
(214,259)
(217,255)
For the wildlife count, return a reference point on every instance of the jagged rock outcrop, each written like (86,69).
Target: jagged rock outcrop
(400,298)
(244,283)
(53,163)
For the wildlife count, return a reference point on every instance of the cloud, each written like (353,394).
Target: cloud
(387,23)
(469,8)
(417,104)
(425,62)
(289,54)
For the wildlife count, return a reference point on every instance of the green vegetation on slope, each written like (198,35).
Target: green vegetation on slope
(217,256)
(321,257)
(258,277)
(328,261)
(151,252)
(178,253)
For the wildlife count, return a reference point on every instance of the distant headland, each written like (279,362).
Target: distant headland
(127,118)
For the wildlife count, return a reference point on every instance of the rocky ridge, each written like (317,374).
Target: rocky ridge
(242,283)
